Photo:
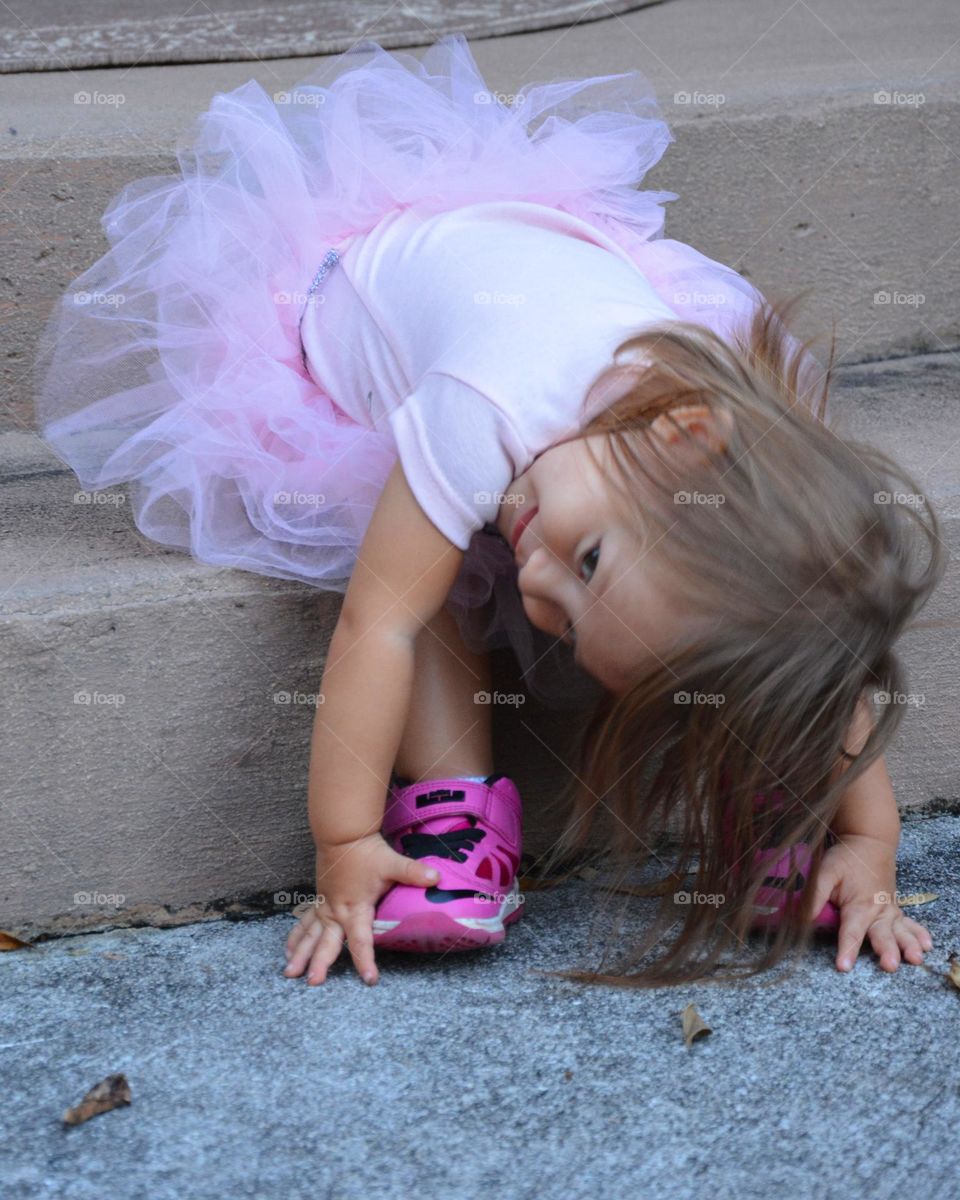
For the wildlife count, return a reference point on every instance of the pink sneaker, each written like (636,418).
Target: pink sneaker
(773,897)
(471,833)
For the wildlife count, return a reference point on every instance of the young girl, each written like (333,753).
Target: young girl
(397,337)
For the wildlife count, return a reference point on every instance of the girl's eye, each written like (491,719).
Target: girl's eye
(587,557)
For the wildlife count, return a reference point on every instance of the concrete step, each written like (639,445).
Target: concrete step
(812,148)
(150,755)
(158,719)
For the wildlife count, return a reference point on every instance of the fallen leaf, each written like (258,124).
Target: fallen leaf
(693,1025)
(954,973)
(917,898)
(9,942)
(107,1094)
(110,954)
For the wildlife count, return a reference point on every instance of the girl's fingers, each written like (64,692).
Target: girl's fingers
(411,871)
(920,932)
(884,942)
(298,931)
(826,882)
(914,940)
(310,933)
(360,945)
(853,925)
(909,944)
(327,951)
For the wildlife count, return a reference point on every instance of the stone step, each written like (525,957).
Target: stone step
(806,154)
(151,752)
(158,709)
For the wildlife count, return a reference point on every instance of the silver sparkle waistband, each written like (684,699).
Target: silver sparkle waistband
(330,260)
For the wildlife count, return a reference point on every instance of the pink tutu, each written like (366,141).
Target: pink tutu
(173,364)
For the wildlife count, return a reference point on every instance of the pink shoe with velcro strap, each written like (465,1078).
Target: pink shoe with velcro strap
(774,897)
(471,833)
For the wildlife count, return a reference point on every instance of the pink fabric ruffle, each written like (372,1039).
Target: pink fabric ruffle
(173,364)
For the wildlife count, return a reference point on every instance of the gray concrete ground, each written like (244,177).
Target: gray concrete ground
(469,1076)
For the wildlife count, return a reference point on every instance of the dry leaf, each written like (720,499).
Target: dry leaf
(107,1094)
(110,954)
(9,942)
(693,1024)
(917,898)
(954,973)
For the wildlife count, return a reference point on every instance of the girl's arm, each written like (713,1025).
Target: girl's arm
(869,807)
(403,574)
(404,571)
(859,872)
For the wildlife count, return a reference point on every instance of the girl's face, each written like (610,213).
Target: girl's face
(584,576)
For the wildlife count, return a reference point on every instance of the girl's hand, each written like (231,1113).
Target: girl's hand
(351,878)
(859,874)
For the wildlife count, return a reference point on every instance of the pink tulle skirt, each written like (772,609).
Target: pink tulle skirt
(173,364)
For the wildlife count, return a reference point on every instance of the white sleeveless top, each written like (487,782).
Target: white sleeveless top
(474,334)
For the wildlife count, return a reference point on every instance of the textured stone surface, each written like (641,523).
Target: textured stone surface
(49,35)
(470,1075)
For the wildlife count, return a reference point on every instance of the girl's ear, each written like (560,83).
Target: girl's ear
(710,427)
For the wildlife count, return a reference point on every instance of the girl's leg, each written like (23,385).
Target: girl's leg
(447,733)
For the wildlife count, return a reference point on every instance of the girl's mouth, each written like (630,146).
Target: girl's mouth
(522,522)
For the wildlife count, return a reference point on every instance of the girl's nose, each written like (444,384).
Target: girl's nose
(545,615)
(538,584)
(534,576)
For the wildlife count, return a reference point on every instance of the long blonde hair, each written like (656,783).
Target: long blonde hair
(811,578)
